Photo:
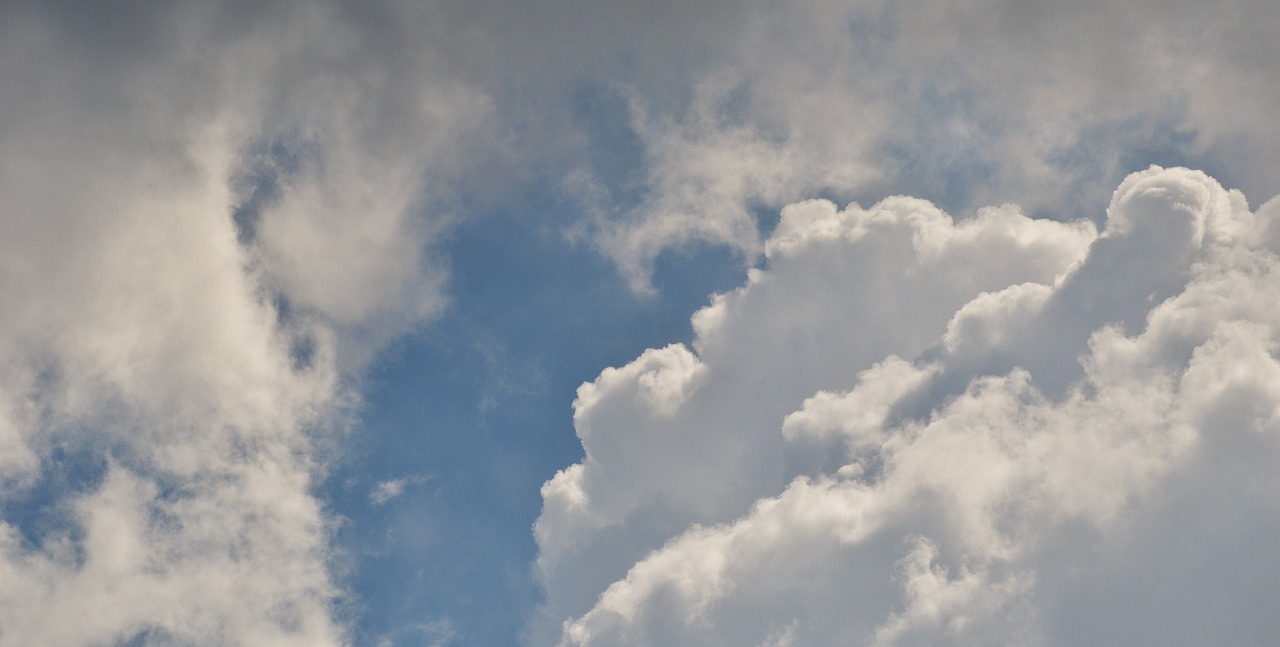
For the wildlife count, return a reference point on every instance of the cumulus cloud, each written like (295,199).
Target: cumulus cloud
(910,430)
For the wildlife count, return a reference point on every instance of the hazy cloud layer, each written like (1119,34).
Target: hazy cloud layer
(213,214)
(908,430)
(965,103)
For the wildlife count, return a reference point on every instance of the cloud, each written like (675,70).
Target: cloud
(214,215)
(908,430)
(438,633)
(385,491)
(962,103)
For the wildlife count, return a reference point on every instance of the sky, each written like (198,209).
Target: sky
(567,324)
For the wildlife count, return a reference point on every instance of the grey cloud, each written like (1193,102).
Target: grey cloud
(195,323)
(964,103)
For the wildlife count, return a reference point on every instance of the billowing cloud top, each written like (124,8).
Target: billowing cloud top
(908,430)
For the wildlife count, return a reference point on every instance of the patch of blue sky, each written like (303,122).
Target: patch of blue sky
(43,512)
(267,165)
(614,151)
(465,420)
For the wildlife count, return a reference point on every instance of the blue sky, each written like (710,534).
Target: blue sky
(531,317)
(545,324)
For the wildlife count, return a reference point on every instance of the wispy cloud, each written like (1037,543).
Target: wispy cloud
(385,491)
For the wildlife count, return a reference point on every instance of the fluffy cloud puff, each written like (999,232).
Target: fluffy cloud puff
(908,430)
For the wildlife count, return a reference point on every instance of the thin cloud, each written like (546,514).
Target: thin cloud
(385,491)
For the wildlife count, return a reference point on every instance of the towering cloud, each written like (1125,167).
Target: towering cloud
(907,430)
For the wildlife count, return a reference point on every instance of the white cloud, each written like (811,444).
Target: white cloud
(908,431)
